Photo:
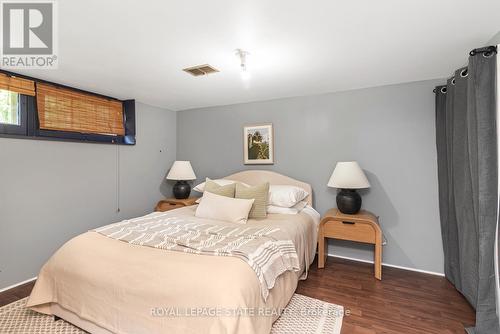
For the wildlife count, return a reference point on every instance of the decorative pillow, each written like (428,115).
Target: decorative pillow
(221,182)
(218,207)
(214,188)
(287,211)
(286,196)
(259,193)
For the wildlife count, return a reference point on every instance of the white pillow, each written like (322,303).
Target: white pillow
(287,211)
(286,196)
(234,210)
(221,182)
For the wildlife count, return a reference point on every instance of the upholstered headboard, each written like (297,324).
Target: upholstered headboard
(253,177)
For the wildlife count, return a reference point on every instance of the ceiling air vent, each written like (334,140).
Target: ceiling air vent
(201,70)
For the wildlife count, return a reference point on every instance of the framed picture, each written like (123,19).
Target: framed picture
(258,144)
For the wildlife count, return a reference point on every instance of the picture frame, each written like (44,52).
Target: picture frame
(258,144)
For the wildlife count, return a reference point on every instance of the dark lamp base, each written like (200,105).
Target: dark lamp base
(348,201)
(181,190)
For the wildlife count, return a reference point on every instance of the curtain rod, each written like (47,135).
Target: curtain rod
(440,87)
(484,50)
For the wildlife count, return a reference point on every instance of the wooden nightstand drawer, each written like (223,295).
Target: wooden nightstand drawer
(360,227)
(166,206)
(359,232)
(172,203)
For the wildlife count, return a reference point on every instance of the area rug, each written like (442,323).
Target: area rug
(302,315)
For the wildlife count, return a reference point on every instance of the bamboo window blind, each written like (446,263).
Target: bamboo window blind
(64,109)
(17,85)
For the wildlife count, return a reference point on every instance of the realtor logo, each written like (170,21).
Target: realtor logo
(28,34)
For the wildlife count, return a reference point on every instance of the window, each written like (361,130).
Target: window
(64,109)
(14,94)
(9,108)
(35,109)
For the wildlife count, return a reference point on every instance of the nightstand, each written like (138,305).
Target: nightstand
(361,227)
(173,203)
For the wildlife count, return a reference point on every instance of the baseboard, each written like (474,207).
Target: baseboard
(389,265)
(18,284)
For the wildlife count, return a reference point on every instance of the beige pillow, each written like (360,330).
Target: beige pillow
(221,182)
(259,193)
(225,190)
(224,208)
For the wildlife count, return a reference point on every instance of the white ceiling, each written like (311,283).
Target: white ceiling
(136,49)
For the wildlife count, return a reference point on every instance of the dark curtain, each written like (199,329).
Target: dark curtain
(466,139)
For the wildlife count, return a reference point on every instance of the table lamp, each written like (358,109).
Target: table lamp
(182,172)
(348,176)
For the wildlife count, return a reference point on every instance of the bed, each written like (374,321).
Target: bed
(103,285)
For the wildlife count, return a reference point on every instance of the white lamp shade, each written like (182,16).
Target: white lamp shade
(181,170)
(348,175)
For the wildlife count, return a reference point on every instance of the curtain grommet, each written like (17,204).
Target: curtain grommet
(464,73)
(444,90)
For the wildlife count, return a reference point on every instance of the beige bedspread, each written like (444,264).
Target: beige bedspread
(267,250)
(126,288)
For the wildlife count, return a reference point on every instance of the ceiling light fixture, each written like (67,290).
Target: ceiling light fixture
(242,54)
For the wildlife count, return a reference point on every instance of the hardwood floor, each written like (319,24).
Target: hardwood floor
(16,293)
(404,302)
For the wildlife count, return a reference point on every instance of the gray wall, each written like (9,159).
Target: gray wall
(51,191)
(388,130)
